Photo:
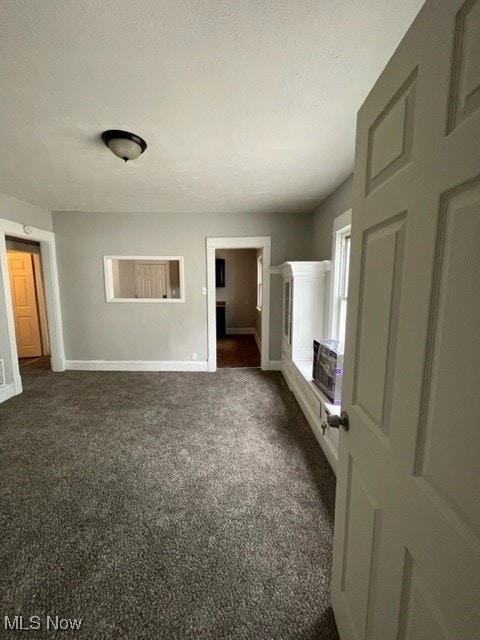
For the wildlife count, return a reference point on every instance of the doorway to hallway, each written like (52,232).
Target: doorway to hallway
(238,308)
(262,245)
(28,299)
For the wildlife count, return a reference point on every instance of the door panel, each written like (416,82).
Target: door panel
(448,462)
(377,322)
(361,541)
(22,284)
(408,471)
(152,281)
(421,617)
(390,137)
(26,335)
(465,86)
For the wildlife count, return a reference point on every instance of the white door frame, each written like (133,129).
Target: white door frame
(243,242)
(52,294)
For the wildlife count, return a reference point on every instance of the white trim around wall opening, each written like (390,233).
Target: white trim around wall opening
(52,294)
(242,242)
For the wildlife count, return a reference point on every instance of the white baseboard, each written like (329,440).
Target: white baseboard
(258,341)
(314,422)
(275,365)
(241,331)
(6,392)
(136,365)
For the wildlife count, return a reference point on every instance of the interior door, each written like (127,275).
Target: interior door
(153,280)
(407,528)
(22,284)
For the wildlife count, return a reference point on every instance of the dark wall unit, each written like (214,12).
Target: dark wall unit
(221,320)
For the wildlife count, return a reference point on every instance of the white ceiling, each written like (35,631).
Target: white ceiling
(246,105)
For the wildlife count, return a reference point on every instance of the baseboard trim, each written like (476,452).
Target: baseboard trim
(136,365)
(314,423)
(275,365)
(241,331)
(6,392)
(258,341)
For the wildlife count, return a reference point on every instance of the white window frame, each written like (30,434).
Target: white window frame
(342,226)
(259,282)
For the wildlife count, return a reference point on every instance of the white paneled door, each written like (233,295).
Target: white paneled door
(407,530)
(25,311)
(153,280)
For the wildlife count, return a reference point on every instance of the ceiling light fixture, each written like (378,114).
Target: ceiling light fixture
(123,144)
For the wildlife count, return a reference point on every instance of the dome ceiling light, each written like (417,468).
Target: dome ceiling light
(123,144)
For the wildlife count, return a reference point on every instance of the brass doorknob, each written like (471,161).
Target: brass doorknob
(335,421)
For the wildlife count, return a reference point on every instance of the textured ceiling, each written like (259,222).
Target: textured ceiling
(246,105)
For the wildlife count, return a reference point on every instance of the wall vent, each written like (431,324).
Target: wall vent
(2,372)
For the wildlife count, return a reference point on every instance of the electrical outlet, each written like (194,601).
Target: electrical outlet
(194,356)
(204,291)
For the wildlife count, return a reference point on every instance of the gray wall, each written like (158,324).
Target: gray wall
(336,204)
(24,213)
(95,329)
(240,290)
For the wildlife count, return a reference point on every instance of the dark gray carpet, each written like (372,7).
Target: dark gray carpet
(164,505)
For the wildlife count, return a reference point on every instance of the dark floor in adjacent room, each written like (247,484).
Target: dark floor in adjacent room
(164,506)
(23,362)
(237,351)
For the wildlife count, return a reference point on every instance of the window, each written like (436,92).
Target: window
(342,297)
(340,270)
(259,282)
(144,279)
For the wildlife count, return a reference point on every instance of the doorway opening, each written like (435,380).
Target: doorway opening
(238,307)
(12,381)
(261,294)
(28,301)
